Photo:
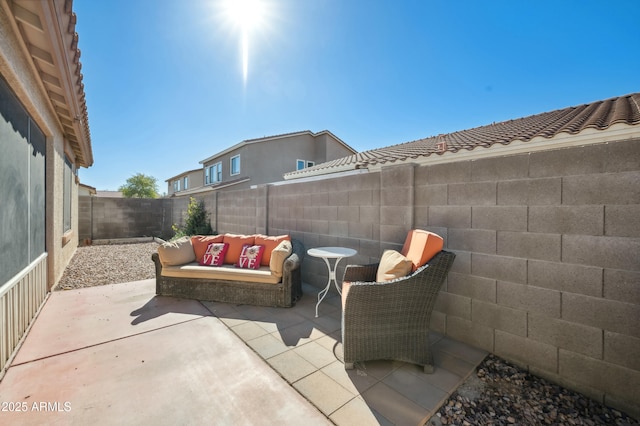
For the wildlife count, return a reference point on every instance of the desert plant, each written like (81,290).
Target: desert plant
(197,222)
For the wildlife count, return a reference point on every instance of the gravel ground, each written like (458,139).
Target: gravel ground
(109,264)
(498,394)
(503,394)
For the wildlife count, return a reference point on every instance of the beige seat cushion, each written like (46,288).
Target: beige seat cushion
(393,265)
(278,256)
(224,272)
(177,252)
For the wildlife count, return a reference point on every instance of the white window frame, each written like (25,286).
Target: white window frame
(67,195)
(231,170)
(304,164)
(185,182)
(213,173)
(176,185)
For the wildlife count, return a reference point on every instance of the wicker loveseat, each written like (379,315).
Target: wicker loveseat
(390,319)
(278,286)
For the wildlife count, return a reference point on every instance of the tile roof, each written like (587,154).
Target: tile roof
(48,31)
(598,115)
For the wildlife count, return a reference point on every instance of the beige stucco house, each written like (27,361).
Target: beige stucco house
(260,161)
(192,179)
(44,140)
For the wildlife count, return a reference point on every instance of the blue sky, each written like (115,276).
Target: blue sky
(165,87)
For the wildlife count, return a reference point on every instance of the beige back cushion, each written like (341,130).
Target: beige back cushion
(393,265)
(278,256)
(177,252)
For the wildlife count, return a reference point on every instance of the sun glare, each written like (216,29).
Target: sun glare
(245,13)
(247,16)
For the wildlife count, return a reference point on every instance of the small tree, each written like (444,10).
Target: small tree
(197,222)
(140,186)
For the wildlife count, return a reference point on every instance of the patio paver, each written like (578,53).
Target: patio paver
(306,351)
(119,353)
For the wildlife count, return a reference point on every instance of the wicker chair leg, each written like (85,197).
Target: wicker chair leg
(348,366)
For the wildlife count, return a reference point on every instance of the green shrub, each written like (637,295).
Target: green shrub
(197,222)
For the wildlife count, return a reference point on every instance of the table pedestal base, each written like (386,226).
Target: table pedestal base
(332,277)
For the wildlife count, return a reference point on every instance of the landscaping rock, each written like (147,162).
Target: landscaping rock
(503,394)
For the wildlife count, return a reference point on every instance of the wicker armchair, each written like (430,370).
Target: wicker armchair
(390,320)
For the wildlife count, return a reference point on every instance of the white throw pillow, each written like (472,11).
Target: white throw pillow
(393,265)
(177,252)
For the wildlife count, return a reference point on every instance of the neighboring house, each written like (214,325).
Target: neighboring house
(597,122)
(44,140)
(109,194)
(266,160)
(185,181)
(86,190)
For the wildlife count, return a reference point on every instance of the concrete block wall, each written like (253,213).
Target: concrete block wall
(331,212)
(107,218)
(547,273)
(242,211)
(85,218)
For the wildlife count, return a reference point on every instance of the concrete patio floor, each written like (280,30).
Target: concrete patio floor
(119,354)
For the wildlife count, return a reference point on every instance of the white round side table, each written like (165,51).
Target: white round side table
(326,253)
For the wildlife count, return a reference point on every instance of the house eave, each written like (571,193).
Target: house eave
(183,174)
(45,30)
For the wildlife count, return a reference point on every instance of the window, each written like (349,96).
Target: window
(213,174)
(67,188)
(22,186)
(176,185)
(185,182)
(301,164)
(235,165)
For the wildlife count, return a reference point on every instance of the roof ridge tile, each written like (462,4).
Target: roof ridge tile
(599,115)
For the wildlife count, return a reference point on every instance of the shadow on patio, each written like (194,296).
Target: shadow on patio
(307,352)
(177,360)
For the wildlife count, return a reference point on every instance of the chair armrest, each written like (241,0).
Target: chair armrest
(401,293)
(291,263)
(296,257)
(365,273)
(156,259)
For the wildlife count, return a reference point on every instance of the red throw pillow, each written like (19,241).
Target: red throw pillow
(214,255)
(251,256)
(201,243)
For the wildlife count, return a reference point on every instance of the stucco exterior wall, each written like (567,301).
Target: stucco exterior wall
(195,180)
(267,161)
